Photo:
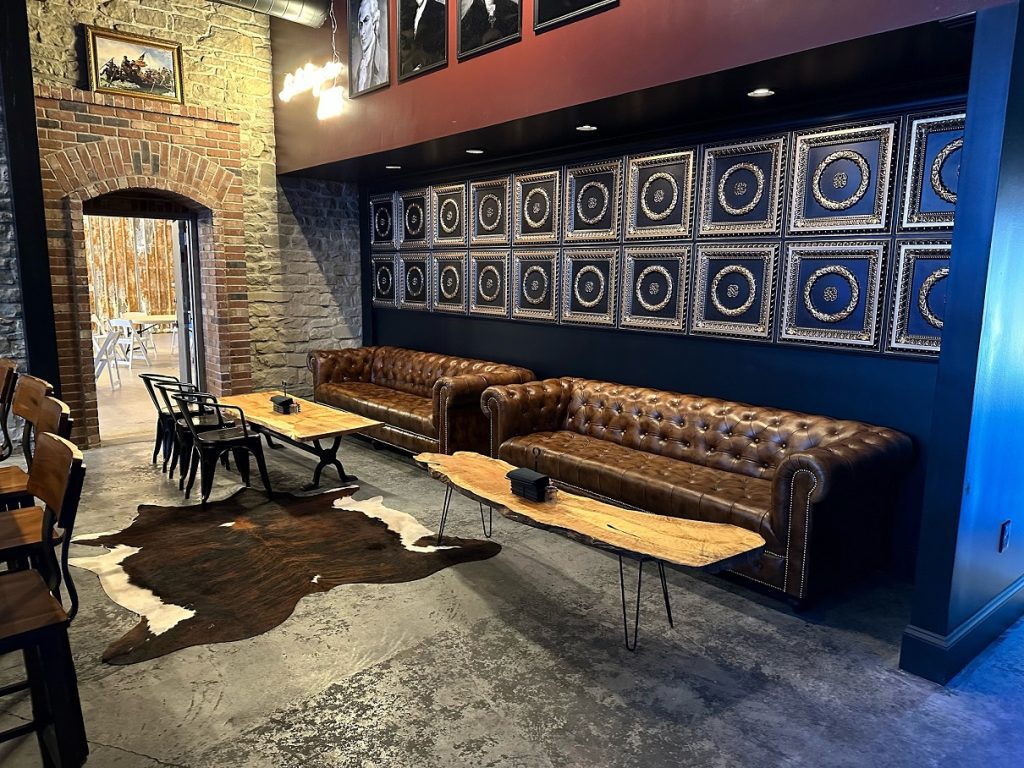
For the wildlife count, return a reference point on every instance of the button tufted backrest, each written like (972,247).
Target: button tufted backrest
(746,439)
(416,372)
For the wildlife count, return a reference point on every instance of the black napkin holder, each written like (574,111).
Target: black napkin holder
(528,484)
(283,404)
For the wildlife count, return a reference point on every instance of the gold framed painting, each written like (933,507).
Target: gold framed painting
(133,65)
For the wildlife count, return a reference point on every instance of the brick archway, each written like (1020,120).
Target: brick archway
(82,172)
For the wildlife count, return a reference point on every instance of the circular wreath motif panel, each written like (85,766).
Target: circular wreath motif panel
(537,208)
(382,223)
(588,287)
(924,296)
(489,212)
(385,280)
(659,196)
(946,171)
(830,294)
(734,278)
(414,282)
(740,189)
(488,283)
(414,219)
(448,216)
(592,202)
(654,288)
(841,180)
(450,281)
(535,285)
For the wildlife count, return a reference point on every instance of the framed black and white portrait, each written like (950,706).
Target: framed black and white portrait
(548,14)
(422,36)
(487,24)
(368,36)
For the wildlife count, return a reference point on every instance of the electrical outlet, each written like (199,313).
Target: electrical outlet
(1004,536)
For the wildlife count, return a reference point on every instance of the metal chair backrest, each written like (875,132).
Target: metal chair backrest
(28,397)
(169,389)
(193,404)
(150,380)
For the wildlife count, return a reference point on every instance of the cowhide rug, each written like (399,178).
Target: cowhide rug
(239,567)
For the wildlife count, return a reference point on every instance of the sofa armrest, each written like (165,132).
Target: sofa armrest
(457,417)
(334,366)
(521,409)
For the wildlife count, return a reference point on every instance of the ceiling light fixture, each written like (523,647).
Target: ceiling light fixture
(586,128)
(474,151)
(761,93)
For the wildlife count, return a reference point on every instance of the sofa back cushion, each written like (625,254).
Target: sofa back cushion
(415,372)
(746,439)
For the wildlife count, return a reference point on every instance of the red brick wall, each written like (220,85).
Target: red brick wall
(92,144)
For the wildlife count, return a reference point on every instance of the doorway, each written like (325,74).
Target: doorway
(143,273)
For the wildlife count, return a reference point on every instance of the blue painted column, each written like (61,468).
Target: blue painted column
(967,590)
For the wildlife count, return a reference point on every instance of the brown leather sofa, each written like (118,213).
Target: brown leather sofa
(817,489)
(428,402)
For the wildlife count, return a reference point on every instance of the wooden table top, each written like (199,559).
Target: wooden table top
(142,318)
(313,422)
(690,543)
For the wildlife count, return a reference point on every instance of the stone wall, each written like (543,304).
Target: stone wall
(12,329)
(301,242)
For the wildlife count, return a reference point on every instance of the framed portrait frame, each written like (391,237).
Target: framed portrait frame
(488,283)
(413,219)
(478,34)
(535,280)
(589,285)
(734,290)
(414,281)
(741,189)
(385,286)
(660,195)
(448,203)
(538,204)
(931,170)
(379,58)
(654,287)
(832,293)
(574,10)
(917,318)
(448,270)
(103,46)
(490,201)
(382,222)
(593,201)
(426,50)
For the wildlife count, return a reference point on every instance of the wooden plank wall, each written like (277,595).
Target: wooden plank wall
(131,265)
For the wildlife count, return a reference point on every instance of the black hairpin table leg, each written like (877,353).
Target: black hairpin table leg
(487,525)
(631,646)
(444,512)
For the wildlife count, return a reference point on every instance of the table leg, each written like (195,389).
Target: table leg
(329,457)
(631,646)
(488,525)
(444,512)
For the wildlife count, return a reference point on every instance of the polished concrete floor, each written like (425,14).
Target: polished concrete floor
(518,661)
(125,409)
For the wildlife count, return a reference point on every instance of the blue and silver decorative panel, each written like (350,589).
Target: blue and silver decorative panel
(741,193)
(414,219)
(538,208)
(449,206)
(535,284)
(932,172)
(734,290)
(831,294)
(385,286)
(589,285)
(382,222)
(919,297)
(488,280)
(489,201)
(593,200)
(448,278)
(654,283)
(414,280)
(660,196)
(841,180)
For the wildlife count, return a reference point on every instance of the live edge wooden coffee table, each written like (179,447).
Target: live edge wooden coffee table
(626,532)
(303,430)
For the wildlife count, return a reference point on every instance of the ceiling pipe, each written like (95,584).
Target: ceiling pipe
(311,13)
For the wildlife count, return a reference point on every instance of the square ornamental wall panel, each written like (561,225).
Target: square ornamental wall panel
(831,293)
(414,280)
(448,280)
(382,222)
(589,285)
(654,286)
(741,191)
(489,203)
(414,219)
(385,287)
(449,206)
(660,196)
(734,291)
(842,179)
(919,297)
(488,283)
(535,284)
(593,201)
(538,206)
(931,172)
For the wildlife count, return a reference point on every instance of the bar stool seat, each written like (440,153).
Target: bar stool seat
(28,604)
(21,531)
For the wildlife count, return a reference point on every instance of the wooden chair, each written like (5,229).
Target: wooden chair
(52,416)
(164,414)
(29,394)
(209,445)
(8,380)
(33,620)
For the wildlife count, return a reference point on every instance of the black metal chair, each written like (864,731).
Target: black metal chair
(164,415)
(181,436)
(8,380)
(209,445)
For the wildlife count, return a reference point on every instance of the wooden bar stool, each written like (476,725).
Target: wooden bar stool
(8,379)
(32,619)
(52,416)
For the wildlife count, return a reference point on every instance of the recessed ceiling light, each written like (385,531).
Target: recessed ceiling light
(586,128)
(393,167)
(760,93)
(474,151)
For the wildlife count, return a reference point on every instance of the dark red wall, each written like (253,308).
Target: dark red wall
(641,43)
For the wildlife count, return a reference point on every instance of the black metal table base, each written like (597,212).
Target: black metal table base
(328,456)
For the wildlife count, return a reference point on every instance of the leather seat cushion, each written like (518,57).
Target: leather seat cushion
(645,480)
(392,406)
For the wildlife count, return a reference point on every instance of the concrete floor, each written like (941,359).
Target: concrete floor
(518,661)
(126,410)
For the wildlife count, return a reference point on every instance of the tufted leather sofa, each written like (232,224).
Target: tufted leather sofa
(428,402)
(816,488)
